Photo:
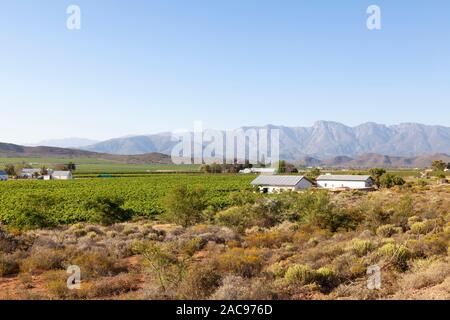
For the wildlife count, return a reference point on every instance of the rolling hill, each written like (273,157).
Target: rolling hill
(8,150)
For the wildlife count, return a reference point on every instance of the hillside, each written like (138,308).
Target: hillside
(8,150)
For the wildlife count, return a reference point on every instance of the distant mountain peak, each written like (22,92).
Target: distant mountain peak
(72,142)
(323,140)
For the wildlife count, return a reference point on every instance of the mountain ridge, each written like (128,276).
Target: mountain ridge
(323,140)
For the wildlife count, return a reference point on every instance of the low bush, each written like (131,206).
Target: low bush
(201,281)
(240,261)
(96,264)
(388,230)
(269,239)
(398,255)
(326,278)
(8,264)
(43,259)
(423,227)
(299,274)
(112,286)
(362,247)
(56,284)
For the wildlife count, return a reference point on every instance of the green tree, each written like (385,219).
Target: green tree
(44,170)
(18,170)
(107,210)
(438,165)
(281,166)
(314,173)
(71,166)
(184,205)
(9,169)
(376,174)
(389,180)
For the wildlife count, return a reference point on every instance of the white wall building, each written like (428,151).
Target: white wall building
(329,181)
(3,175)
(266,171)
(274,184)
(61,175)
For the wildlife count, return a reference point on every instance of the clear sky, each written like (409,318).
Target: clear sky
(158,65)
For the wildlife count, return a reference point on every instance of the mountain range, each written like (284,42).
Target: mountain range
(324,140)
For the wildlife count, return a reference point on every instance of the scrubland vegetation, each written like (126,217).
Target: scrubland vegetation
(310,245)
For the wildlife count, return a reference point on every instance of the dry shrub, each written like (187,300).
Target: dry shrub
(43,259)
(388,230)
(398,255)
(97,264)
(239,288)
(425,274)
(349,266)
(26,280)
(112,286)
(269,239)
(8,264)
(240,261)
(56,284)
(8,242)
(200,282)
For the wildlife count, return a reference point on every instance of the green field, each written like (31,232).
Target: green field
(66,201)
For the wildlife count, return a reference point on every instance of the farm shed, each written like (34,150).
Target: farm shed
(329,181)
(29,173)
(273,184)
(62,175)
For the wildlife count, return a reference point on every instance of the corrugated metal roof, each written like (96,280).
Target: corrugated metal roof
(330,177)
(282,181)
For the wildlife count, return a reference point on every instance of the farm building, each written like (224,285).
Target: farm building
(29,173)
(273,184)
(3,175)
(61,175)
(267,171)
(329,181)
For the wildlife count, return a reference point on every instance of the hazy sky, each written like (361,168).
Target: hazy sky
(158,65)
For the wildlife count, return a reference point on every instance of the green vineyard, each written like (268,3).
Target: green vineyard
(67,201)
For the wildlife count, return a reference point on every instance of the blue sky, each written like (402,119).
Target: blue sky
(158,65)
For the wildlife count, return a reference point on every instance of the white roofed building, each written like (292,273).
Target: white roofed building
(274,184)
(329,181)
(61,175)
(266,171)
